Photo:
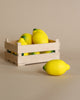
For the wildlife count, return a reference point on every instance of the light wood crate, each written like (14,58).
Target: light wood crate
(30,59)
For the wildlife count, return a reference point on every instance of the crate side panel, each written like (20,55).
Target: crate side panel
(11,57)
(10,47)
(37,47)
(38,58)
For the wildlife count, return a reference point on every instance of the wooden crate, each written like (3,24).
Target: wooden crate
(20,60)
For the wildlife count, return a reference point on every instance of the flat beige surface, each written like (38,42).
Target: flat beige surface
(59,19)
(30,82)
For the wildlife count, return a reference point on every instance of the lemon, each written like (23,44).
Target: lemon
(53,51)
(25,54)
(34,31)
(49,51)
(37,31)
(39,36)
(27,37)
(34,53)
(46,52)
(22,41)
(14,53)
(56,67)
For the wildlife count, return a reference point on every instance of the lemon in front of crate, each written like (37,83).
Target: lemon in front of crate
(34,53)
(27,37)
(22,41)
(39,36)
(56,67)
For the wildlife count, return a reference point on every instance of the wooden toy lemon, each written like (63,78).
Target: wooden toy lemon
(27,37)
(39,36)
(22,41)
(34,53)
(56,67)
(38,31)
(49,51)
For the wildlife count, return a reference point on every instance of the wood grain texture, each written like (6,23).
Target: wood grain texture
(10,57)
(10,46)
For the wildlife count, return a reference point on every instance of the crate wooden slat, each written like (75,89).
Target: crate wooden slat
(38,47)
(22,60)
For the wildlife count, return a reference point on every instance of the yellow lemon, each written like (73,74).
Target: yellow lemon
(46,52)
(25,54)
(39,36)
(56,67)
(37,31)
(14,53)
(27,37)
(49,51)
(52,51)
(22,41)
(34,53)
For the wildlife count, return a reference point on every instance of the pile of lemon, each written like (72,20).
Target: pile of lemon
(38,36)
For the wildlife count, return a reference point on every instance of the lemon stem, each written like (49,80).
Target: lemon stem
(23,37)
(44,67)
(34,29)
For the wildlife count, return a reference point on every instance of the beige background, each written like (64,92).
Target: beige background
(59,19)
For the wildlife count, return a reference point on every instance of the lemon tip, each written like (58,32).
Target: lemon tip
(44,67)
(68,67)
